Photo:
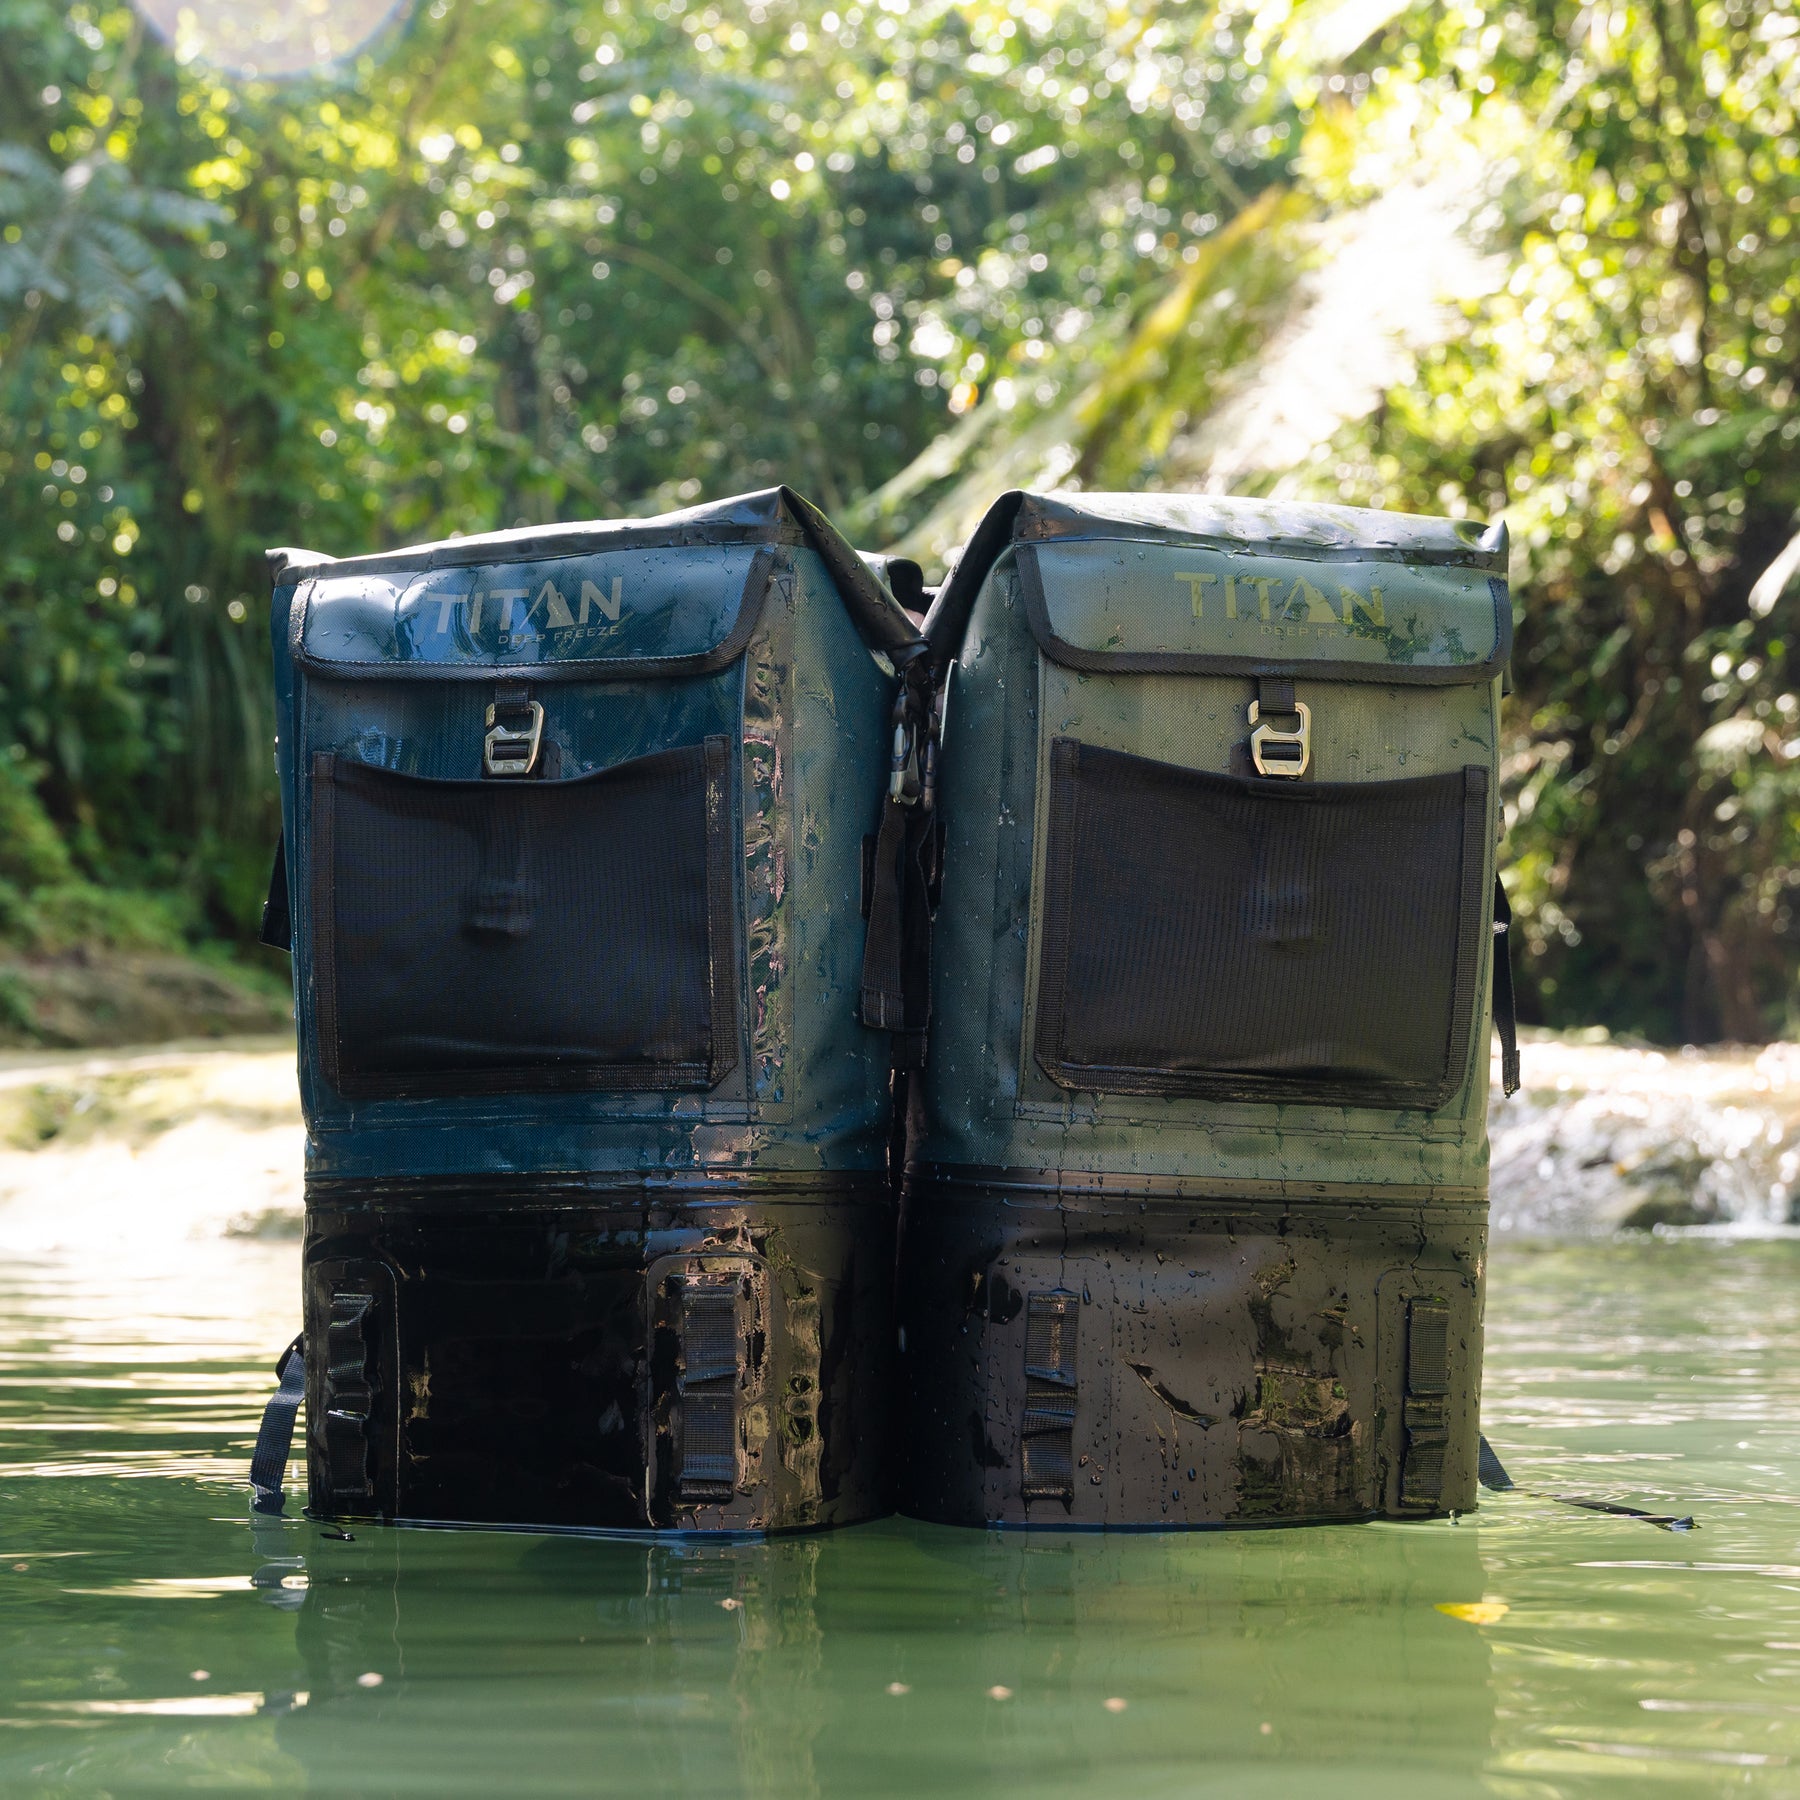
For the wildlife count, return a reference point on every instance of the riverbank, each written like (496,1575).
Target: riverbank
(115,1150)
(203,1137)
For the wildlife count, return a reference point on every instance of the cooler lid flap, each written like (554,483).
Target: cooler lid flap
(675,595)
(631,611)
(1196,584)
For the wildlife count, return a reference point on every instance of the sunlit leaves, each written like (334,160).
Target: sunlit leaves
(566,257)
(1627,399)
(87,235)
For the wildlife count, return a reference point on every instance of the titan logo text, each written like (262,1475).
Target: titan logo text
(549,598)
(1301,603)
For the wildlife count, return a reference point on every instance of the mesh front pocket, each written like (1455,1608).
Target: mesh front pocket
(485,936)
(1243,938)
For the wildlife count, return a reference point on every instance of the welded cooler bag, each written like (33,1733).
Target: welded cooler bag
(597,1226)
(1194,1215)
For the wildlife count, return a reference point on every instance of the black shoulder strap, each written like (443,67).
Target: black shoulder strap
(896,973)
(268,1461)
(1490,1471)
(1492,1475)
(277,927)
(1505,1021)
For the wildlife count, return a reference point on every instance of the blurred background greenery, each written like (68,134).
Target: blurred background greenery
(302,271)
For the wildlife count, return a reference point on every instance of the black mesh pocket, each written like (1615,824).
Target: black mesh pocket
(1246,938)
(483,936)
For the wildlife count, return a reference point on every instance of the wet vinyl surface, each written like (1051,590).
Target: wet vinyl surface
(150,1639)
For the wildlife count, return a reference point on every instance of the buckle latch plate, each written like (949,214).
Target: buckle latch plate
(514,738)
(1277,751)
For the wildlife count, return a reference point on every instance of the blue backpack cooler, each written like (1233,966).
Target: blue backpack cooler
(598,1228)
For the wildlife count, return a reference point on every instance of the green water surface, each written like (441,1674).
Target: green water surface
(151,1639)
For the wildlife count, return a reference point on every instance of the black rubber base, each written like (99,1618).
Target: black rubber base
(537,1352)
(1123,1358)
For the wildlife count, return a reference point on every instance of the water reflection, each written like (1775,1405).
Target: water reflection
(151,1638)
(897,1659)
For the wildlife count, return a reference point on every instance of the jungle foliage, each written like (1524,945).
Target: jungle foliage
(577,258)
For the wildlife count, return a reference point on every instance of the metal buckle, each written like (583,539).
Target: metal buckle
(1277,752)
(513,749)
(904,786)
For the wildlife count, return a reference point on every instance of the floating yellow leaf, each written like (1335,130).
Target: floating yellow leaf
(1475,1612)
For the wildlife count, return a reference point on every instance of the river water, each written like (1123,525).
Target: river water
(151,1639)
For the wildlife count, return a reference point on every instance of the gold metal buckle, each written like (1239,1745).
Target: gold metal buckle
(513,749)
(1277,752)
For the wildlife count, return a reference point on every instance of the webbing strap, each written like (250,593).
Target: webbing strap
(915,938)
(711,1364)
(1047,1430)
(1493,1476)
(1427,1397)
(1275,693)
(349,1401)
(275,1436)
(1505,1020)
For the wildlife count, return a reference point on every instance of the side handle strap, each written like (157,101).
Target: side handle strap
(275,1437)
(1505,1020)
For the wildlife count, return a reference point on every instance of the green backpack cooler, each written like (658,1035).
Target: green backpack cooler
(1196,1193)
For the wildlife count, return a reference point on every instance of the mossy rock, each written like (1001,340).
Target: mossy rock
(1667,1206)
(94,999)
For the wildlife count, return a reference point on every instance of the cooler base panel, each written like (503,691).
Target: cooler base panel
(539,1353)
(1129,1359)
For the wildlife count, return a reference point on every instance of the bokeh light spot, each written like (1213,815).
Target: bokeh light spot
(269,38)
